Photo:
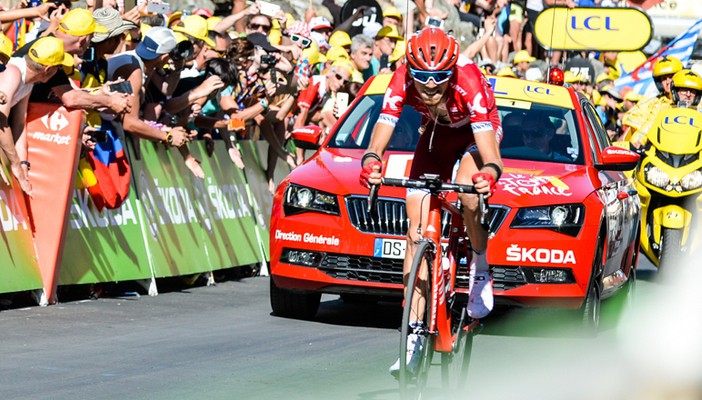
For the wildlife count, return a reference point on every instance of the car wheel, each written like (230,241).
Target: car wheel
(290,304)
(591,309)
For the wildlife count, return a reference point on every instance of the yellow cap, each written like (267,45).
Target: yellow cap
(180,37)
(195,26)
(392,12)
(399,51)
(212,22)
(523,56)
(80,22)
(175,17)
(389,31)
(336,53)
(506,71)
(569,77)
(311,53)
(347,65)
(5,46)
(597,99)
(48,51)
(275,36)
(340,39)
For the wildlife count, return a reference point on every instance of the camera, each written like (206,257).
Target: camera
(435,22)
(269,60)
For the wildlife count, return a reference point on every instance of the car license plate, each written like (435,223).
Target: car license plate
(389,248)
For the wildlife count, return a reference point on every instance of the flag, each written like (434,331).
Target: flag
(641,79)
(106,172)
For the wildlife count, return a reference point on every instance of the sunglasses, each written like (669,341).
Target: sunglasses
(264,27)
(341,78)
(424,77)
(303,41)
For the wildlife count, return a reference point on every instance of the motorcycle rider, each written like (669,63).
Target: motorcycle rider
(686,89)
(639,119)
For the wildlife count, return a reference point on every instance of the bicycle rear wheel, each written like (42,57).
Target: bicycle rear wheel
(454,365)
(413,382)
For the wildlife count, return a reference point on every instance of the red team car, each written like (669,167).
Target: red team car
(564,218)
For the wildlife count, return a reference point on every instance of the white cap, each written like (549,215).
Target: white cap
(372,29)
(157,41)
(534,74)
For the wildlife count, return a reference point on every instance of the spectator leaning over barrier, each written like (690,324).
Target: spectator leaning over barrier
(74,29)
(43,59)
(194,27)
(136,66)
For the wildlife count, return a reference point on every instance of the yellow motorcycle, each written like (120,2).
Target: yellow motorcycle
(669,182)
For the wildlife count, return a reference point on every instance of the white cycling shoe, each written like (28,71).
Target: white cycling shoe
(480,299)
(414,347)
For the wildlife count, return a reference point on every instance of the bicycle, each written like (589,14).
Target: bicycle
(447,329)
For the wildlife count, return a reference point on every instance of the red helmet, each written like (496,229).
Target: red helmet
(432,49)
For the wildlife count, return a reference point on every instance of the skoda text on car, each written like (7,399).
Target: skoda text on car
(564,223)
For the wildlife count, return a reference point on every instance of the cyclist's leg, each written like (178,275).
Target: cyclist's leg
(480,285)
(417,203)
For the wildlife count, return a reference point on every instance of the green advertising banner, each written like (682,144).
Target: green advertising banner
(19,270)
(194,225)
(104,246)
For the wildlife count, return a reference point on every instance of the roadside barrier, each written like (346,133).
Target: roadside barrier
(171,224)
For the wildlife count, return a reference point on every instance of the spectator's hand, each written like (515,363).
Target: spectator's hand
(192,135)
(359,12)
(195,110)
(208,86)
(235,157)
(3,98)
(44,10)
(270,89)
(56,15)
(194,166)
(490,25)
(209,144)
(253,9)
(22,4)
(310,13)
(134,14)
(88,139)
(119,103)
(180,137)
(302,82)
(21,172)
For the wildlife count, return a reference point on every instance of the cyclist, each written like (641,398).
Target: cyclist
(458,111)
(637,121)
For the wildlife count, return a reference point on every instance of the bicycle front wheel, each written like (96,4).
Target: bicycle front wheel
(413,376)
(454,365)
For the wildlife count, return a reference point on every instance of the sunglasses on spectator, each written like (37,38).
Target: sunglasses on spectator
(424,77)
(303,41)
(341,78)
(264,27)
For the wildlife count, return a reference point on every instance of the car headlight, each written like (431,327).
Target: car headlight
(564,218)
(656,176)
(301,199)
(691,181)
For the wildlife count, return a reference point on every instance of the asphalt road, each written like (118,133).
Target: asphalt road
(221,342)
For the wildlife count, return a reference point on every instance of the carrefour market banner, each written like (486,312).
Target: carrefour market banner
(585,28)
(18,264)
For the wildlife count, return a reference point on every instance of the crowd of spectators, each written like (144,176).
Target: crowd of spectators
(254,73)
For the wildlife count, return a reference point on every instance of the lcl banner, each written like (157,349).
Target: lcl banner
(600,29)
(53,139)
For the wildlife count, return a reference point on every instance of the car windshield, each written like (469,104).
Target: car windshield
(532,132)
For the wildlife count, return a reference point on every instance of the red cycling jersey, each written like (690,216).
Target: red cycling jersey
(470,99)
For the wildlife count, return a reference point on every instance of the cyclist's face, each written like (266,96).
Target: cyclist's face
(430,92)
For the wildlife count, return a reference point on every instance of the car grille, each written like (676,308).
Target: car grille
(383,270)
(392,217)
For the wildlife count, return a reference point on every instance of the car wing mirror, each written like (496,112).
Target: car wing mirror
(615,158)
(307,137)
